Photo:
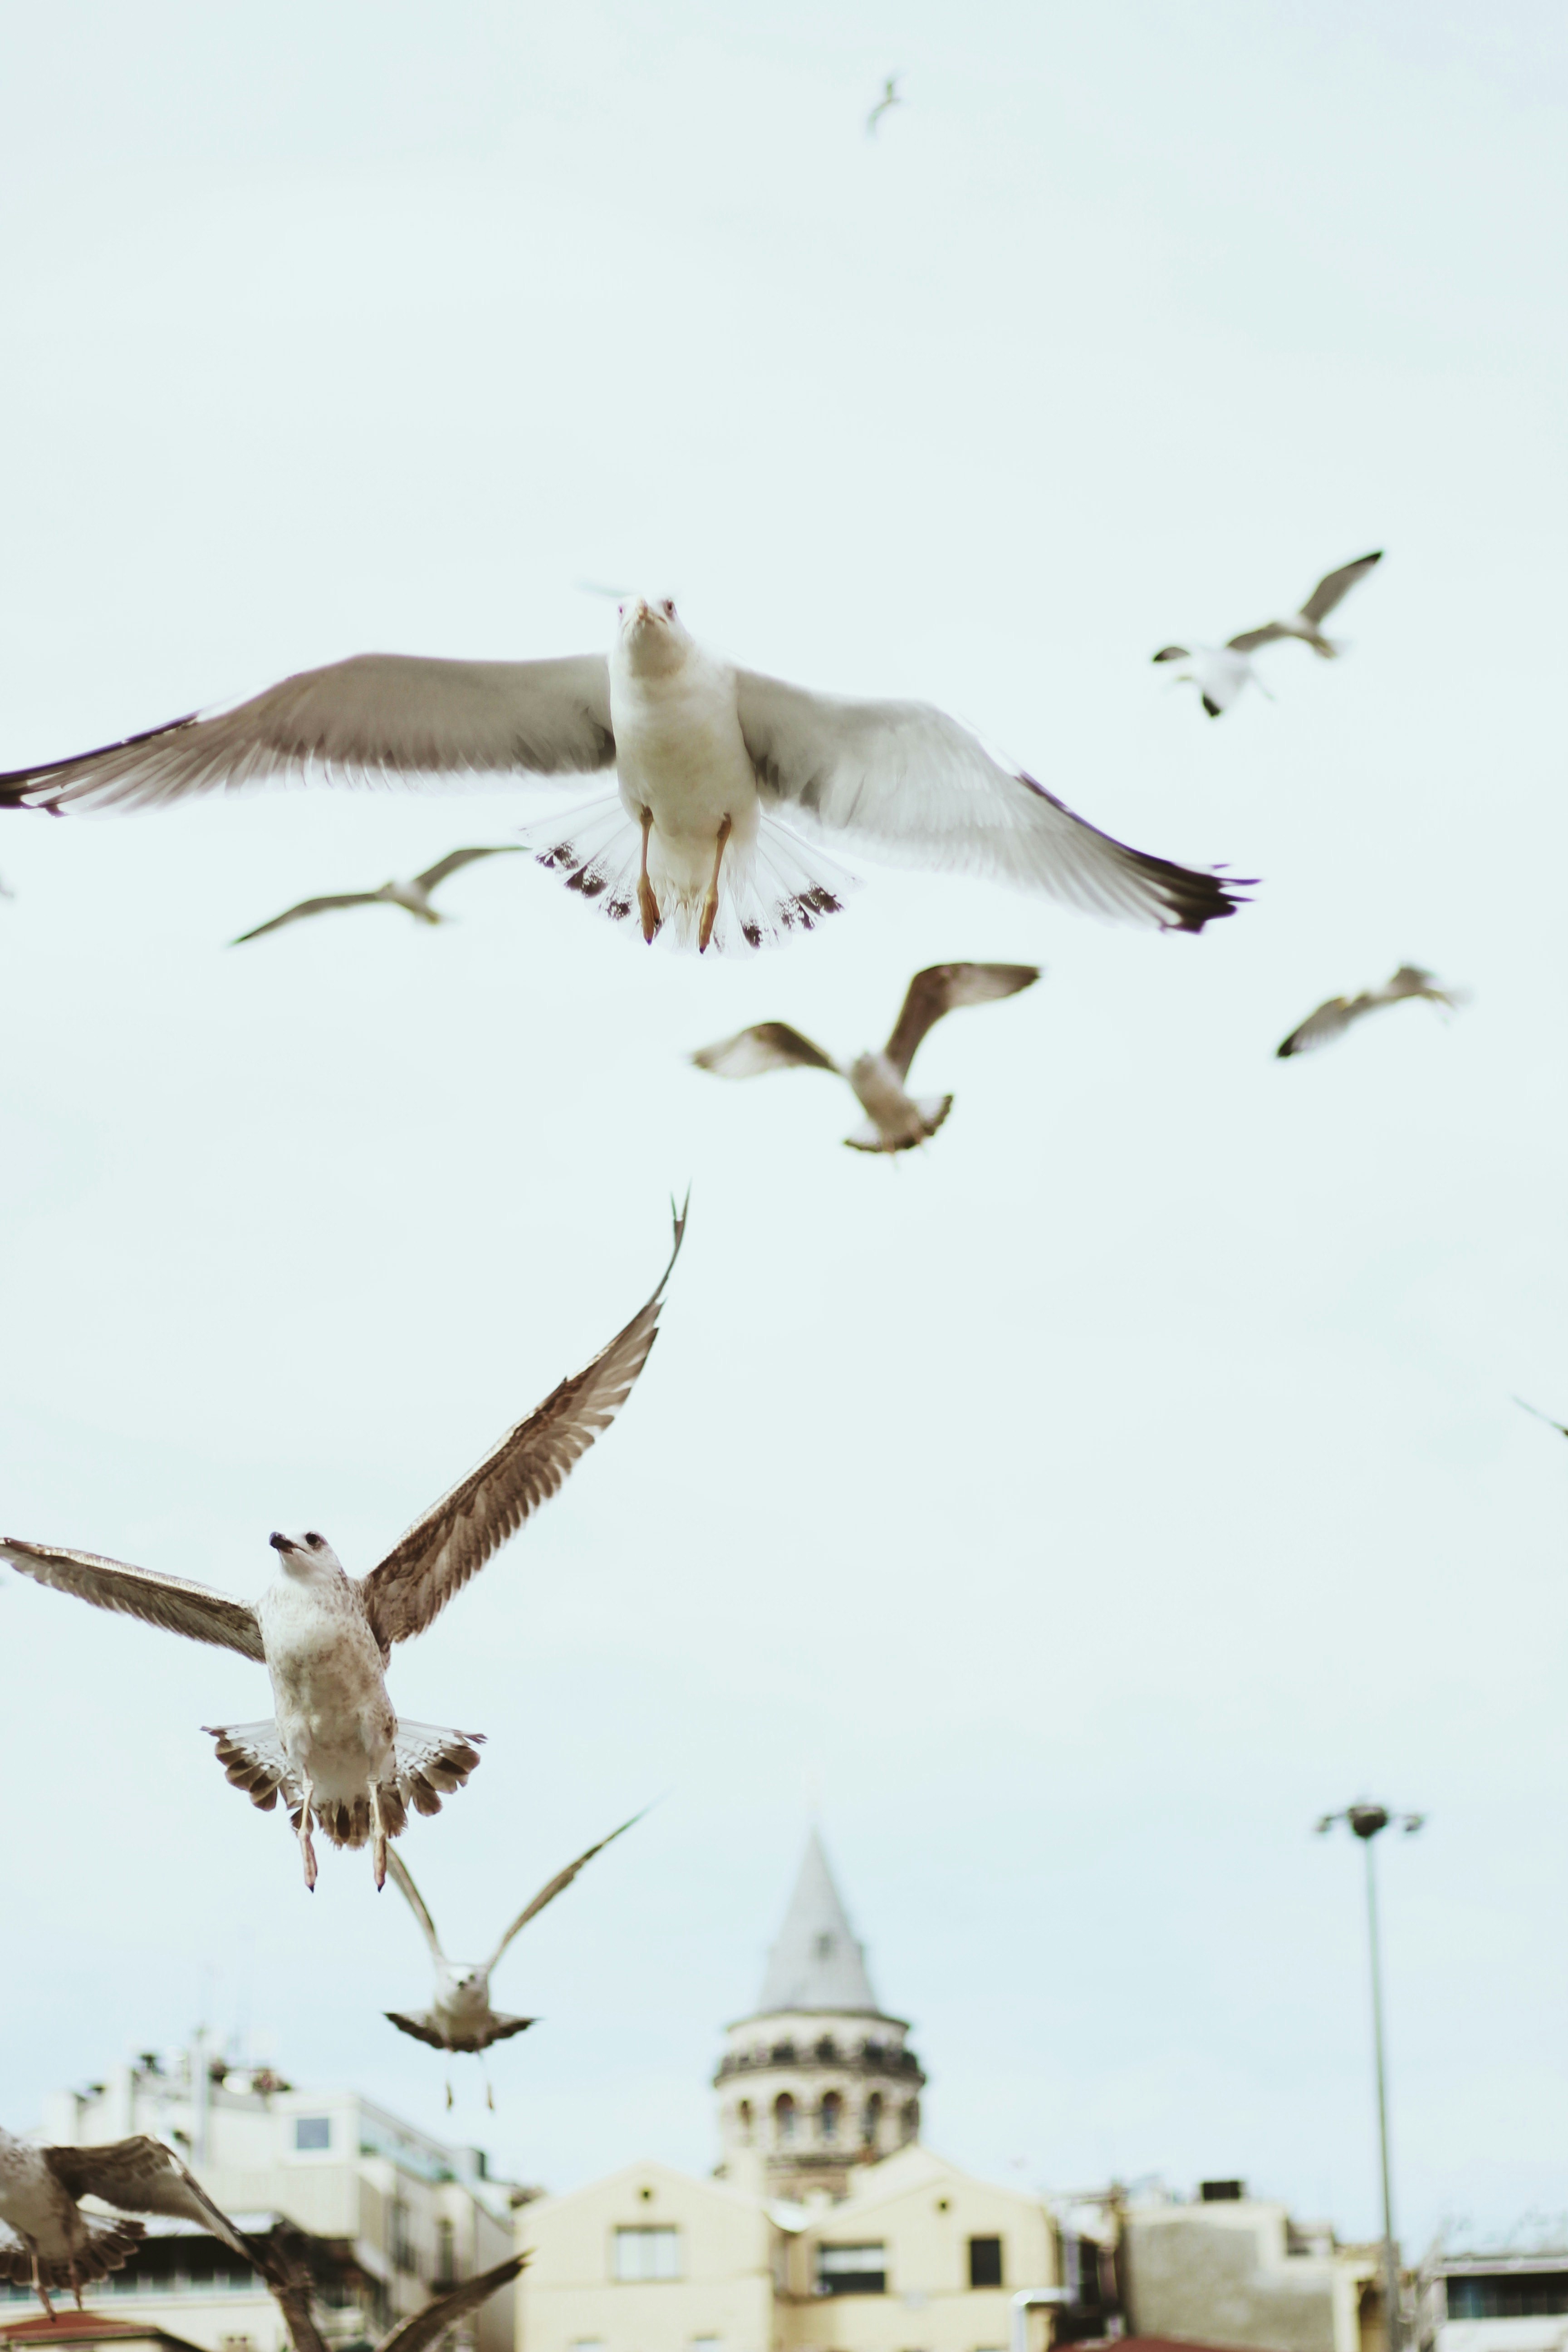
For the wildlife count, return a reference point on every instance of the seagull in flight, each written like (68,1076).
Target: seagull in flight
(282,2256)
(1219,672)
(1560,1427)
(46,2241)
(336,1749)
(1340,1013)
(461,2016)
(889,98)
(415,893)
(895,1119)
(728,782)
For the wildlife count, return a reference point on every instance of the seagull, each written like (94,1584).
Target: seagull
(1219,672)
(895,1120)
(46,2241)
(461,2016)
(889,98)
(336,1749)
(1560,1427)
(415,895)
(720,772)
(282,2256)
(1333,1018)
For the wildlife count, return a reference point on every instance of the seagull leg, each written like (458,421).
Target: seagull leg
(647,904)
(710,904)
(378,1838)
(307,1851)
(40,2289)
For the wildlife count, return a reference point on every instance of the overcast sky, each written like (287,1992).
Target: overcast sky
(1074,1511)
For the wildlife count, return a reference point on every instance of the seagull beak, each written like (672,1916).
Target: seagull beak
(280,1543)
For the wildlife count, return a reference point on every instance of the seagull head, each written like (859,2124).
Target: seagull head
(654,639)
(306,1555)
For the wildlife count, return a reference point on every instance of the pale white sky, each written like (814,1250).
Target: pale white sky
(1082,1507)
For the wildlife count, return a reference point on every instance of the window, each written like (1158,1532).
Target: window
(832,2113)
(312,2131)
(646,2254)
(446,2253)
(1519,2295)
(910,2121)
(402,2247)
(743,2119)
(707,2344)
(852,2270)
(784,2118)
(985,2262)
(871,2121)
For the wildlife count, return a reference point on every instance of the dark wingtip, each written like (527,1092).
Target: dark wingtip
(1212,707)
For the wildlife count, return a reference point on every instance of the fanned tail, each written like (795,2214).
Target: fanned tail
(768,892)
(111,2244)
(932,1110)
(428,1764)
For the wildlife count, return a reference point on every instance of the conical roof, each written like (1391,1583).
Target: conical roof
(815,1962)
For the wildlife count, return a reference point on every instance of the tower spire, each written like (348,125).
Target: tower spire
(815,1962)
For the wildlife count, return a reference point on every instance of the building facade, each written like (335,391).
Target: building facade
(1493,2303)
(1229,2270)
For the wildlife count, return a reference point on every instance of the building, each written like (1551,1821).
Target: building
(392,2214)
(1231,2270)
(828,2226)
(1492,2303)
(89,2330)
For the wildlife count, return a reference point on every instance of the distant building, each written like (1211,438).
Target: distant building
(1234,2271)
(827,2227)
(1493,2303)
(394,2215)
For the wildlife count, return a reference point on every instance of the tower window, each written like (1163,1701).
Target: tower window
(910,2120)
(832,2113)
(641,2254)
(871,2119)
(784,2118)
(824,1948)
(827,2051)
(985,2262)
(744,2120)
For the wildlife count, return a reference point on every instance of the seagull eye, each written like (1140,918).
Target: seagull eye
(315,1542)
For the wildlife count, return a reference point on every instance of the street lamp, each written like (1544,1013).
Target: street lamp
(1365,1821)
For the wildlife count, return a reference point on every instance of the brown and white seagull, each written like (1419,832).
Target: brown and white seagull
(1219,672)
(414,893)
(336,1749)
(461,2016)
(895,1119)
(46,2241)
(1339,1014)
(727,781)
(281,2255)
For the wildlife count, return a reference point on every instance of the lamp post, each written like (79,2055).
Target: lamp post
(1366,1822)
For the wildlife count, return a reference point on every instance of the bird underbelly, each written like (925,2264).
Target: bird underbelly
(692,773)
(885,1103)
(335,1720)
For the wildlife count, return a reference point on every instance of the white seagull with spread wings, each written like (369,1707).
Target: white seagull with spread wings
(414,893)
(336,1749)
(720,772)
(895,1119)
(1219,672)
(46,2241)
(461,2016)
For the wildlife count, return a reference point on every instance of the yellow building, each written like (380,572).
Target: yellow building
(828,2226)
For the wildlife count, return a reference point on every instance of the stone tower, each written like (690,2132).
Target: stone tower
(818,2078)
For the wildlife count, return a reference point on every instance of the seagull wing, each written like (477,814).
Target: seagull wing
(1250,639)
(419,2027)
(1335,586)
(373,718)
(942,987)
(458,859)
(1331,1019)
(404,1877)
(314,907)
(406,1591)
(917,788)
(141,2176)
(424,2328)
(281,2257)
(194,1609)
(770,1045)
(558,1885)
(1560,1427)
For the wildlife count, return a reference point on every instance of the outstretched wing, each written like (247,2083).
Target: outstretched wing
(194,1609)
(1335,586)
(141,2176)
(414,2334)
(1249,640)
(312,907)
(402,1878)
(558,1885)
(420,2027)
(942,987)
(404,1592)
(916,787)
(770,1045)
(373,718)
(1331,1020)
(454,862)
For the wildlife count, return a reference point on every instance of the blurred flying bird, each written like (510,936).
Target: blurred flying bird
(461,2016)
(46,2241)
(1333,1018)
(336,1750)
(895,1119)
(889,98)
(415,895)
(1560,1427)
(1219,672)
(721,771)
(282,2254)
